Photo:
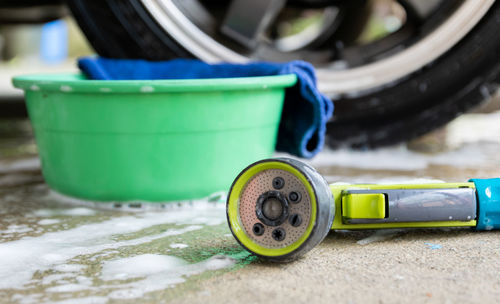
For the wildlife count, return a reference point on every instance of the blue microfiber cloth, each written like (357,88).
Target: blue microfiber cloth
(305,113)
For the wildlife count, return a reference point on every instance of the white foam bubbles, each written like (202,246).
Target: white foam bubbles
(21,259)
(178,246)
(80,211)
(156,272)
(47,222)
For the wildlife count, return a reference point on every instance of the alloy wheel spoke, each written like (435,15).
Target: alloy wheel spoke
(246,21)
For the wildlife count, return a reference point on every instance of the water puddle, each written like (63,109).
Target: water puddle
(150,272)
(65,252)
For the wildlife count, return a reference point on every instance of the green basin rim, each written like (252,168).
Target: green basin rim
(76,83)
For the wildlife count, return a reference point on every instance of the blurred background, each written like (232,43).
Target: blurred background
(35,39)
(41,36)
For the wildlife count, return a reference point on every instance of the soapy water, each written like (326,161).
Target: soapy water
(400,158)
(155,272)
(470,141)
(131,206)
(27,164)
(93,255)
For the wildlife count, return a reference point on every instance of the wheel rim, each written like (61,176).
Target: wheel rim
(331,79)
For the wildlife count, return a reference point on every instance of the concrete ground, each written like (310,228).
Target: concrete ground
(55,249)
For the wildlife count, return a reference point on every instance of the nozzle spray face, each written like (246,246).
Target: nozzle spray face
(279,209)
(261,203)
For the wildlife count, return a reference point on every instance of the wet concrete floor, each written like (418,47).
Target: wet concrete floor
(54,249)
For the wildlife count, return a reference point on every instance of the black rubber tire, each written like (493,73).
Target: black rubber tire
(124,29)
(457,81)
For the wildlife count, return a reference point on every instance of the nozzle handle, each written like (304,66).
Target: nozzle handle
(488,195)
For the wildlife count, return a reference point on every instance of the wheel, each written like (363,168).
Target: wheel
(431,61)
(279,209)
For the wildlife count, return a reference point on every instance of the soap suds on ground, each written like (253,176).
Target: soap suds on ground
(155,272)
(56,253)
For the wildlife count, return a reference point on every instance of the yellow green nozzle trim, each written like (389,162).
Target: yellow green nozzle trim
(233,209)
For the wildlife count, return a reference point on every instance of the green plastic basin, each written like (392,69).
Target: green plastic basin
(161,140)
